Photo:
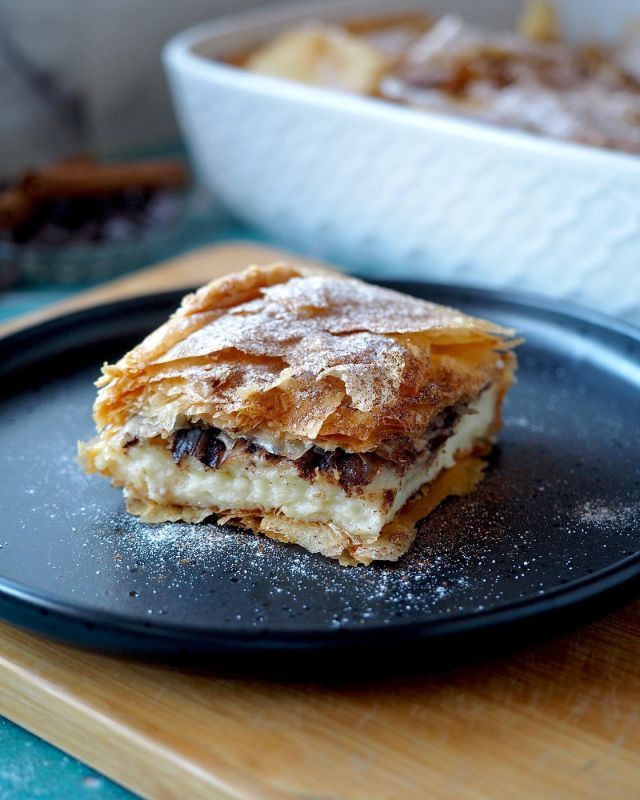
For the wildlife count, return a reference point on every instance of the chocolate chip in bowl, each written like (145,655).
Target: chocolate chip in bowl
(80,220)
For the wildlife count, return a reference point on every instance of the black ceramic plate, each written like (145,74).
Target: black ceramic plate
(551,534)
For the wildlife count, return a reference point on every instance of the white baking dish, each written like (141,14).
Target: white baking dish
(401,191)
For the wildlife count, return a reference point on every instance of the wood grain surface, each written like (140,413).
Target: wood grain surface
(559,720)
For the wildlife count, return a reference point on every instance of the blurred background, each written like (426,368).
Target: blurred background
(389,200)
(86,75)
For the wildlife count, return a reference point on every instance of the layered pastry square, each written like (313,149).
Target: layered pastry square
(304,405)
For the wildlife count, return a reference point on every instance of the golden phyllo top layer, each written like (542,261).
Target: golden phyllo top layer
(298,357)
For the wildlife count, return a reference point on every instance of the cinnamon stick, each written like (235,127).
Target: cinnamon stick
(82,176)
(77,179)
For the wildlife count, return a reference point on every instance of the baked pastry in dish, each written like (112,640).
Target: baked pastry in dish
(532,79)
(304,405)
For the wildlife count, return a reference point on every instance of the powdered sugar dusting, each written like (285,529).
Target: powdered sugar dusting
(338,337)
(176,552)
(594,513)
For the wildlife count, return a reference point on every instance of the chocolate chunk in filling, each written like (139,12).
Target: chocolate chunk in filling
(213,452)
(350,469)
(201,443)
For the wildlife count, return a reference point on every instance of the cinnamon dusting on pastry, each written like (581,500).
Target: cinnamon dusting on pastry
(309,358)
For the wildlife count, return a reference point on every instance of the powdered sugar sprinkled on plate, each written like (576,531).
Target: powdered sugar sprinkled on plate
(594,513)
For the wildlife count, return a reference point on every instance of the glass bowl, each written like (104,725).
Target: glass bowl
(91,262)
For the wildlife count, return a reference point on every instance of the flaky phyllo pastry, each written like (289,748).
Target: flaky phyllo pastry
(304,405)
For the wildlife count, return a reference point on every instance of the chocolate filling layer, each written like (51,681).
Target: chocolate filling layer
(350,470)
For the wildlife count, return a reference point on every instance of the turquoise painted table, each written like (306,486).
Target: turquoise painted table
(31,769)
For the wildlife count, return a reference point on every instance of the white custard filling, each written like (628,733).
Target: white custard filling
(148,470)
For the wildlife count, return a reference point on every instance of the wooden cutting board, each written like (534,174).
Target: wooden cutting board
(557,720)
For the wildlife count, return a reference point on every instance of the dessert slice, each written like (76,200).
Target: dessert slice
(305,405)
